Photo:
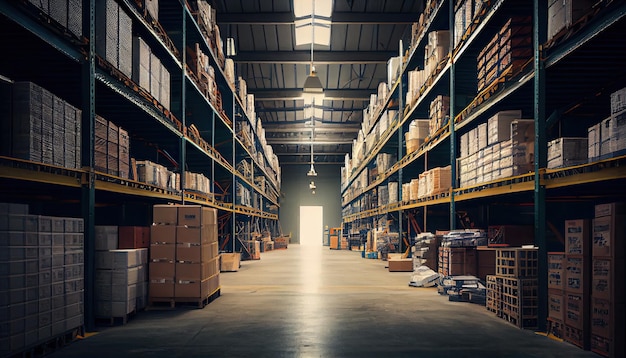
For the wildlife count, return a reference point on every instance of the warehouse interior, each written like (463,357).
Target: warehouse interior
(313,178)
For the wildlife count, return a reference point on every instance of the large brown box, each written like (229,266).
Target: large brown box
(556,305)
(577,274)
(607,318)
(161,289)
(163,252)
(576,310)
(229,261)
(400,265)
(162,270)
(576,336)
(165,214)
(214,249)
(194,289)
(196,215)
(193,253)
(556,270)
(163,234)
(608,236)
(193,234)
(607,279)
(133,237)
(191,271)
(214,283)
(577,237)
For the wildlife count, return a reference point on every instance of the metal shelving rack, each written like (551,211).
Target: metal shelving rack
(546,89)
(69,66)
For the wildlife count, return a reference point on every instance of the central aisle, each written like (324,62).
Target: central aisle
(315,302)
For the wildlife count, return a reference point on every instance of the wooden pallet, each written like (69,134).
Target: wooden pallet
(50,345)
(115,321)
(171,303)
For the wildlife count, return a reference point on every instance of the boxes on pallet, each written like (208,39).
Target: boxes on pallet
(556,305)
(594,141)
(577,237)
(414,185)
(577,310)
(562,14)
(604,279)
(106,237)
(517,262)
(607,128)
(607,231)
(618,101)
(564,152)
(577,278)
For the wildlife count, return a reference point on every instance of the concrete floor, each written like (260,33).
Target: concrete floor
(315,302)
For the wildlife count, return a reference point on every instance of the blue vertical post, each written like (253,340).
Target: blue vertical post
(183,110)
(88,200)
(400,138)
(451,121)
(539,38)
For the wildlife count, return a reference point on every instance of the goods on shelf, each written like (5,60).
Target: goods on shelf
(438,113)
(436,50)
(114,36)
(510,235)
(200,66)
(508,52)
(42,127)
(608,138)
(157,175)
(414,137)
(417,79)
(112,149)
(563,14)
(394,66)
(43,278)
(464,14)
(68,13)
(197,182)
(184,265)
(243,195)
(565,152)
(149,72)
(384,161)
(434,181)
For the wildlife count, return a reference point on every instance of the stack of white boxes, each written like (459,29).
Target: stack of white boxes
(414,137)
(121,277)
(149,72)
(563,13)
(438,112)
(436,50)
(608,138)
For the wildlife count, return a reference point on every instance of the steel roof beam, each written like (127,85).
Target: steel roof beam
(337,18)
(291,94)
(321,57)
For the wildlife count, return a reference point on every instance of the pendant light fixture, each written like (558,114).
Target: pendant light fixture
(313,90)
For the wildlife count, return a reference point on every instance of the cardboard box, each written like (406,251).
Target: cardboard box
(610,209)
(133,237)
(556,270)
(196,215)
(608,234)
(165,214)
(193,253)
(577,237)
(191,271)
(577,310)
(195,289)
(576,336)
(163,234)
(230,261)
(400,265)
(162,270)
(605,282)
(161,289)
(106,237)
(607,318)
(556,305)
(163,252)
(193,234)
(577,274)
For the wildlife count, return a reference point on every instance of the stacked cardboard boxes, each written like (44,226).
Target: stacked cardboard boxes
(565,152)
(508,51)
(41,127)
(425,251)
(607,284)
(465,11)
(184,260)
(575,268)
(556,293)
(436,51)
(438,113)
(157,175)
(114,36)
(112,149)
(512,291)
(43,278)
(414,137)
(149,72)
(564,13)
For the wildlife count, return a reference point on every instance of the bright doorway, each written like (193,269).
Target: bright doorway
(311,225)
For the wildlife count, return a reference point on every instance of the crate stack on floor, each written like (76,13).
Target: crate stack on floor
(121,287)
(42,276)
(457,254)
(607,280)
(184,258)
(512,291)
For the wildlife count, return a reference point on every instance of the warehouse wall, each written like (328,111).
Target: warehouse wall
(296,193)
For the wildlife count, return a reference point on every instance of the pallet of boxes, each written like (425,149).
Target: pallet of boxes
(184,259)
